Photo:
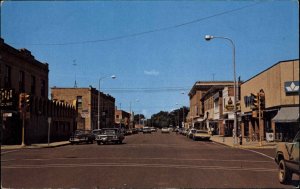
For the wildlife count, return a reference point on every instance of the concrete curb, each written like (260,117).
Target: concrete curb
(245,146)
(34,146)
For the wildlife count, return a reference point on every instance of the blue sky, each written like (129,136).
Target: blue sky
(171,54)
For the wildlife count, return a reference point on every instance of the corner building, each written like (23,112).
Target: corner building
(280,114)
(86,102)
(20,72)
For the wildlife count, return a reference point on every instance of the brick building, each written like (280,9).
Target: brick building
(122,118)
(279,115)
(20,72)
(86,101)
(201,102)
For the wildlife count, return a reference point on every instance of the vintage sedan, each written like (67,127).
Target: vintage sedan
(110,135)
(146,130)
(80,136)
(165,130)
(201,135)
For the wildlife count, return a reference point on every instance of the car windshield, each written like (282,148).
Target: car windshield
(108,132)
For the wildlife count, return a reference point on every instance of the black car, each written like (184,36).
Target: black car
(80,136)
(110,135)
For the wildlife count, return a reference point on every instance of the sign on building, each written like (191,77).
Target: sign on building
(291,87)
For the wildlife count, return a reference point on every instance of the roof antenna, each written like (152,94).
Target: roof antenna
(74,64)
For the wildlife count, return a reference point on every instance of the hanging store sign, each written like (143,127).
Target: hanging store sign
(229,104)
(291,87)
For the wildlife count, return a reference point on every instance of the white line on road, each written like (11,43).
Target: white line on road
(6,152)
(260,153)
(168,159)
(257,169)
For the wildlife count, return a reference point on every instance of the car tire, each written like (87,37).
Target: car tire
(98,142)
(284,174)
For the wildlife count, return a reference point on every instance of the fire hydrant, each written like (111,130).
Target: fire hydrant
(241,139)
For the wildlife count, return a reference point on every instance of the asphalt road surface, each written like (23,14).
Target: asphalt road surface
(143,161)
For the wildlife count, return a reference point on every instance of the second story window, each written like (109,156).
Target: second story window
(79,101)
(22,82)
(7,77)
(43,88)
(32,88)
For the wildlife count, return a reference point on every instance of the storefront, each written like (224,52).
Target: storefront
(270,102)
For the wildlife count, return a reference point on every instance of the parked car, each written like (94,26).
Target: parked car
(191,133)
(80,136)
(153,129)
(128,132)
(146,130)
(135,131)
(96,132)
(185,132)
(201,135)
(165,130)
(108,135)
(287,158)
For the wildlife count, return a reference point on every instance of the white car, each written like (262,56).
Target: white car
(165,130)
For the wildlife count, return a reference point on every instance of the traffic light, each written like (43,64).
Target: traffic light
(254,99)
(27,102)
(22,102)
(262,103)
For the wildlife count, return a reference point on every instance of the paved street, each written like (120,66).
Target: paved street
(144,161)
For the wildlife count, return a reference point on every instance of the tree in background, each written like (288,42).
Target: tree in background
(169,119)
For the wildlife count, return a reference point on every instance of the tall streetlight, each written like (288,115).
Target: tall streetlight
(132,118)
(101,78)
(208,38)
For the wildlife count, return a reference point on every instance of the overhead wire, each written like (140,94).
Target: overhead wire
(148,31)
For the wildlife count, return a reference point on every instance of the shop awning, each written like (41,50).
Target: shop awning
(287,114)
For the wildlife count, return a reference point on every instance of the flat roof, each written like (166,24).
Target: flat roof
(280,62)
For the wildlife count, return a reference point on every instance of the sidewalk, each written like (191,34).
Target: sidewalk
(228,141)
(44,145)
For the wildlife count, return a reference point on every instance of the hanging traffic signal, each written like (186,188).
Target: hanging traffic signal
(27,102)
(262,102)
(22,102)
(254,99)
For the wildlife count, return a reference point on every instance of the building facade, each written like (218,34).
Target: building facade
(206,105)
(122,119)
(86,102)
(20,73)
(270,102)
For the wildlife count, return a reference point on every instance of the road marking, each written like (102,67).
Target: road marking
(260,153)
(113,158)
(257,169)
(6,152)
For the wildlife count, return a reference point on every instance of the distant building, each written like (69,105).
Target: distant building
(279,113)
(86,102)
(206,104)
(122,118)
(20,72)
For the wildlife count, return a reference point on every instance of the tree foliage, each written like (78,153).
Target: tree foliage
(169,119)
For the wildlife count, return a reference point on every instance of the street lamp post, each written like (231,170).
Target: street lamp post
(209,37)
(101,78)
(132,118)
